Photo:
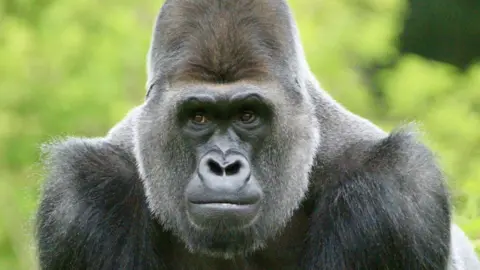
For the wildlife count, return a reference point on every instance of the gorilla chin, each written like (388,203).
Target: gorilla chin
(223,230)
(224,242)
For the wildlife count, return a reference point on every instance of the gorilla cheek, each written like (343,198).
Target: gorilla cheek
(164,167)
(286,168)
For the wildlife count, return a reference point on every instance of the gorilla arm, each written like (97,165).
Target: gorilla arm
(462,255)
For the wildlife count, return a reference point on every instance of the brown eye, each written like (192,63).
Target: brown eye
(247,117)
(199,119)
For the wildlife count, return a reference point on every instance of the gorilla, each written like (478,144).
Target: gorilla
(238,159)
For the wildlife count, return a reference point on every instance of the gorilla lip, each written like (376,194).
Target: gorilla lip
(230,214)
(234,200)
(239,207)
(225,205)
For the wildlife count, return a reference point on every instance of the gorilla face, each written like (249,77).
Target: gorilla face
(225,165)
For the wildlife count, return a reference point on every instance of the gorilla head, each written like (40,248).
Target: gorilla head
(227,137)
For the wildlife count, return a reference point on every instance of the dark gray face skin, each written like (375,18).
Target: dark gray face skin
(222,167)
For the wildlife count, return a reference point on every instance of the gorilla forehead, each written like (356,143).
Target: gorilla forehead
(201,23)
(219,89)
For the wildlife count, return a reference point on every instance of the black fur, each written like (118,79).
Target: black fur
(95,213)
(383,206)
(339,193)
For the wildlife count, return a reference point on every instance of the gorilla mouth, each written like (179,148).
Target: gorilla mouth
(208,214)
(210,208)
(233,209)
(239,209)
(225,200)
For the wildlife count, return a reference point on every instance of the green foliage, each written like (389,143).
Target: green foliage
(77,67)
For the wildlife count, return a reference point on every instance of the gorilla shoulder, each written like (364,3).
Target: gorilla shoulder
(88,164)
(388,191)
(93,196)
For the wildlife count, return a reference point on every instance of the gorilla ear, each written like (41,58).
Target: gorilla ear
(149,83)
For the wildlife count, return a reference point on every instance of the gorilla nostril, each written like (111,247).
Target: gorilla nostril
(215,167)
(233,168)
(230,169)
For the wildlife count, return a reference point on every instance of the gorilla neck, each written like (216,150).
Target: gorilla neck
(283,252)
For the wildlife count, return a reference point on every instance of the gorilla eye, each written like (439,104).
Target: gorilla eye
(199,119)
(247,117)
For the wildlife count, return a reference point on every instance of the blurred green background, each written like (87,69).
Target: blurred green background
(76,67)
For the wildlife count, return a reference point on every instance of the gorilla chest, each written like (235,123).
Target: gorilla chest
(286,262)
(283,252)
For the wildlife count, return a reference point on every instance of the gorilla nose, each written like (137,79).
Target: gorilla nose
(224,192)
(228,173)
